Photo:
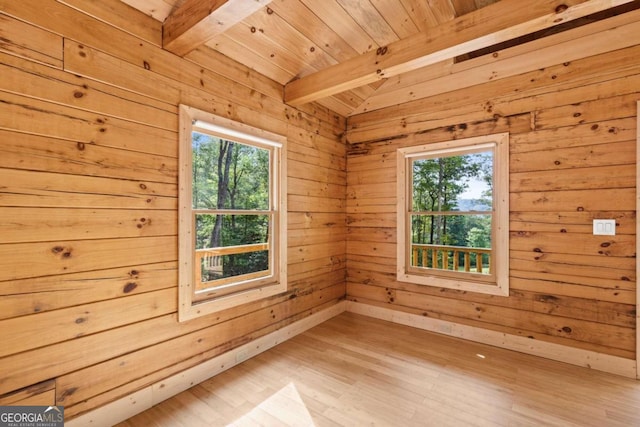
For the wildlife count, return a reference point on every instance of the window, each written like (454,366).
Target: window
(453,214)
(232,230)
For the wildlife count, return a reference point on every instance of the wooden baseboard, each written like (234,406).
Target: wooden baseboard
(561,353)
(141,400)
(128,406)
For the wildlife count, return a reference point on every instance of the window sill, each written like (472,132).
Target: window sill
(188,311)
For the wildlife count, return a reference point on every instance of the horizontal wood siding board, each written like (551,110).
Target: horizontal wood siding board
(45,189)
(40,294)
(533,335)
(612,199)
(25,260)
(608,264)
(40,394)
(75,387)
(77,224)
(578,290)
(301,203)
(47,119)
(617,153)
(378,274)
(601,177)
(44,83)
(304,220)
(30,42)
(329,234)
(310,270)
(47,154)
(123,17)
(51,327)
(600,132)
(564,222)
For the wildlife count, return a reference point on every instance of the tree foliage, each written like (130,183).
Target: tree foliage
(438,186)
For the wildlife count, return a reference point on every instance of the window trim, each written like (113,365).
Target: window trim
(189,306)
(500,230)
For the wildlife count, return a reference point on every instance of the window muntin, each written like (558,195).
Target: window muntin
(232,211)
(453,214)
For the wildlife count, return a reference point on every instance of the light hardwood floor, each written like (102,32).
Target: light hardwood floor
(354,370)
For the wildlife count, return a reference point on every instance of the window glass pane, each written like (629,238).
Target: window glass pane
(451,242)
(238,245)
(224,266)
(228,174)
(472,231)
(453,183)
(215,231)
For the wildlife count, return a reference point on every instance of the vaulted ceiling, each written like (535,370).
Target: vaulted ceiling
(354,56)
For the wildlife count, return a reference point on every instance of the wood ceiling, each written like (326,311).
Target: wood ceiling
(353,56)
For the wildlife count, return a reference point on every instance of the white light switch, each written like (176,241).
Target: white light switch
(604,227)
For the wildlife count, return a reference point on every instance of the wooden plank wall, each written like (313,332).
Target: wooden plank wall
(572,159)
(88,198)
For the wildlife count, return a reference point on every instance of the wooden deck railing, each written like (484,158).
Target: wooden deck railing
(449,257)
(210,260)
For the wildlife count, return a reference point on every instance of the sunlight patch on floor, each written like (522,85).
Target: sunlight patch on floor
(285,407)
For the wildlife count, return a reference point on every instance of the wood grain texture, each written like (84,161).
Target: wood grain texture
(24,40)
(602,36)
(41,394)
(195,22)
(637,243)
(572,163)
(88,167)
(502,22)
(88,123)
(355,370)
(120,15)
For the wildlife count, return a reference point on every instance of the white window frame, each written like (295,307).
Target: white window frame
(497,283)
(189,304)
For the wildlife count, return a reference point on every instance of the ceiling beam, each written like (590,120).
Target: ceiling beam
(197,21)
(501,21)
(615,33)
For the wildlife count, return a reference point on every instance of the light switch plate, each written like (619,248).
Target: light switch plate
(604,227)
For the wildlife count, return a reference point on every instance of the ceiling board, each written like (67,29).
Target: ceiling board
(377,27)
(335,17)
(396,16)
(293,39)
(270,26)
(310,25)
(422,14)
